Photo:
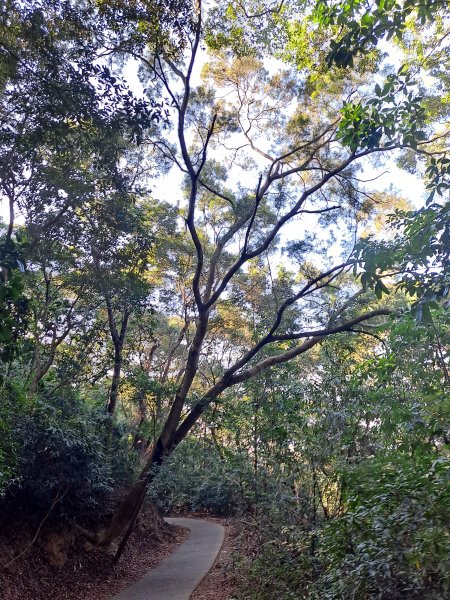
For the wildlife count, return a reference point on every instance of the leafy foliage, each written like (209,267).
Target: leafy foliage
(364,26)
(13,302)
(418,254)
(171,337)
(66,450)
(200,480)
(371,518)
(395,115)
(393,541)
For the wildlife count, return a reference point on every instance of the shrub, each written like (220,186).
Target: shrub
(394,539)
(391,543)
(197,479)
(68,450)
(12,405)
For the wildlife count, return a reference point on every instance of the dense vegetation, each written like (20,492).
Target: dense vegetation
(207,297)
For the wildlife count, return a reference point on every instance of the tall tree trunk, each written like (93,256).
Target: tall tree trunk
(115,383)
(256,406)
(175,430)
(118,339)
(140,441)
(124,518)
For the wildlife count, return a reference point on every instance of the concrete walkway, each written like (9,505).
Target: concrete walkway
(179,574)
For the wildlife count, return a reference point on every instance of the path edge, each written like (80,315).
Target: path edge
(214,563)
(217,555)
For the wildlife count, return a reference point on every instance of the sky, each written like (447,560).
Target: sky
(390,176)
(168,187)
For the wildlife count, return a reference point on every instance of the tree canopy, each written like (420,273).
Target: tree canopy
(195,249)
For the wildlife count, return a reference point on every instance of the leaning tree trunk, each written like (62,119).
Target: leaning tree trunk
(128,511)
(175,429)
(172,434)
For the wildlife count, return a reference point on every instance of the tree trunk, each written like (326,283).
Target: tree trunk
(115,383)
(118,340)
(174,431)
(128,511)
(42,370)
(141,442)
(255,453)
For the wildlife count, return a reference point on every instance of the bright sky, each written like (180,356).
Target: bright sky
(168,187)
(390,177)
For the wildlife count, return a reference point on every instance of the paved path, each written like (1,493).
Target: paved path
(179,574)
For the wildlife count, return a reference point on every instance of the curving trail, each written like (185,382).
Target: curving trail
(179,574)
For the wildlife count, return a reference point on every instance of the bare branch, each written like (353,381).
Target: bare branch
(270,337)
(269,11)
(205,145)
(245,256)
(215,192)
(332,330)
(258,198)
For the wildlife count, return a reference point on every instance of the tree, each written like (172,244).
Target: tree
(308,172)
(420,252)
(357,497)
(365,26)
(259,154)
(64,122)
(114,238)
(14,304)
(58,108)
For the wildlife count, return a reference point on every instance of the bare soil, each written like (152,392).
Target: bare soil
(63,566)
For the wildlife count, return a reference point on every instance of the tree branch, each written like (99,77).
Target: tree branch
(331,330)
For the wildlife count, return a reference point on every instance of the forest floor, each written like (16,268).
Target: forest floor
(59,566)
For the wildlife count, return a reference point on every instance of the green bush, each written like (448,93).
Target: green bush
(391,543)
(394,539)
(69,450)
(217,497)
(198,479)
(283,566)
(12,405)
